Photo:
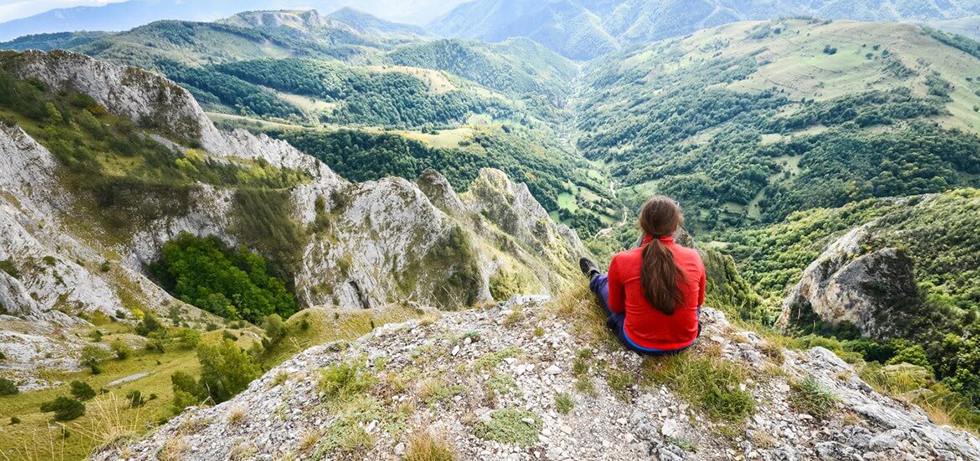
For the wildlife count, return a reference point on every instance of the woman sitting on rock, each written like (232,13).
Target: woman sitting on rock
(653,294)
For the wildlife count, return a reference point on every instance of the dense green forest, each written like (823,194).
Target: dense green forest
(509,68)
(937,231)
(212,88)
(380,98)
(234,283)
(362,156)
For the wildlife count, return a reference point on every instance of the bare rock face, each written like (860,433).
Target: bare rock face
(392,240)
(511,207)
(440,192)
(873,291)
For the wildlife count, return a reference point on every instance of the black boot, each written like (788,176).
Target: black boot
(588,267)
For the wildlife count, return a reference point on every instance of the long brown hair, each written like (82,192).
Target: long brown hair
(661,216)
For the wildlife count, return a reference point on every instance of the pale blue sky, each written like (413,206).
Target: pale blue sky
(14,9)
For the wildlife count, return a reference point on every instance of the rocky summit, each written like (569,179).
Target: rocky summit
(517,381)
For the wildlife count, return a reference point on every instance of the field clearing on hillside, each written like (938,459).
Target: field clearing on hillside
(863,52)
(218,117)
(444,139)
(437,81)
(308,104)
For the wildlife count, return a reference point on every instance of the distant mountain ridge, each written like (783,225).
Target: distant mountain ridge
(133,13)
(585,29)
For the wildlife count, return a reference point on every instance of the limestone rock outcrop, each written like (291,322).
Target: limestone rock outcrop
(363,245)
(871,290)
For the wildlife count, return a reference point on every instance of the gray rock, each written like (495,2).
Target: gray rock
(870,291)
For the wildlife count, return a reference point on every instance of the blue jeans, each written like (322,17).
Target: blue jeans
(599,284)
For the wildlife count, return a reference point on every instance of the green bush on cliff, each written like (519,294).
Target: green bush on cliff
(233,283)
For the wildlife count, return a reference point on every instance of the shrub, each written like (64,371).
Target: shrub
(345,380)
(14,420)
(810,397)
(64,408)
(913,354)
(135,398)
(274,328)
(189,338)
(8,266)
(148,325)
(187,391)
(514,426)
(81,390)
(156,344)
(121,350)
(423,447)
(226,370)
(7,387)
(91,356)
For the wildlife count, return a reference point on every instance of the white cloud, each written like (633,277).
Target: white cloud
(15,9)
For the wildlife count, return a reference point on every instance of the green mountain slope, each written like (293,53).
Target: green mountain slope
(469,104)
(585,29)
(752,121)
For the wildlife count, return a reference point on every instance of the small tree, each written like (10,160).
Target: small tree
(7,387)
(187,391)
(135,398)
(275,330)
(226,370)
(64,408)
(189,338)
(81,390)
(121,350)
(148,325)
(91,356)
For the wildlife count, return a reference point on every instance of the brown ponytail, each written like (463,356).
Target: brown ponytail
(660,216)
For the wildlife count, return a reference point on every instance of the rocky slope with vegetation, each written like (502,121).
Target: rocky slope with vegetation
(122,203)
(534,379)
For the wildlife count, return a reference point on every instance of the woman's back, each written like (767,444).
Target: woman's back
(646,326)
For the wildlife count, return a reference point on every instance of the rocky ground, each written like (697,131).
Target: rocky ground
(491,384)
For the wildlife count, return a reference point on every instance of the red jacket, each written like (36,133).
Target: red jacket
(644,325)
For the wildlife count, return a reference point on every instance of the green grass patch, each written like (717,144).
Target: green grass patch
(515,426)
(810,397)
(490,360)
(564,403)
(711,384)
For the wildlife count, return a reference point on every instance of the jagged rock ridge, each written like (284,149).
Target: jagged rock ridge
(384,241)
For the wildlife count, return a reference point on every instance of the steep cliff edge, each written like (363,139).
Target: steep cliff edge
(350,245)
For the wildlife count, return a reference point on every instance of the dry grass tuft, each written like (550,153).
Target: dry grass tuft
(109,426)
(423,447)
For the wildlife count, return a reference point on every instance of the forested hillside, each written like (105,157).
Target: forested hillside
(750,122)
